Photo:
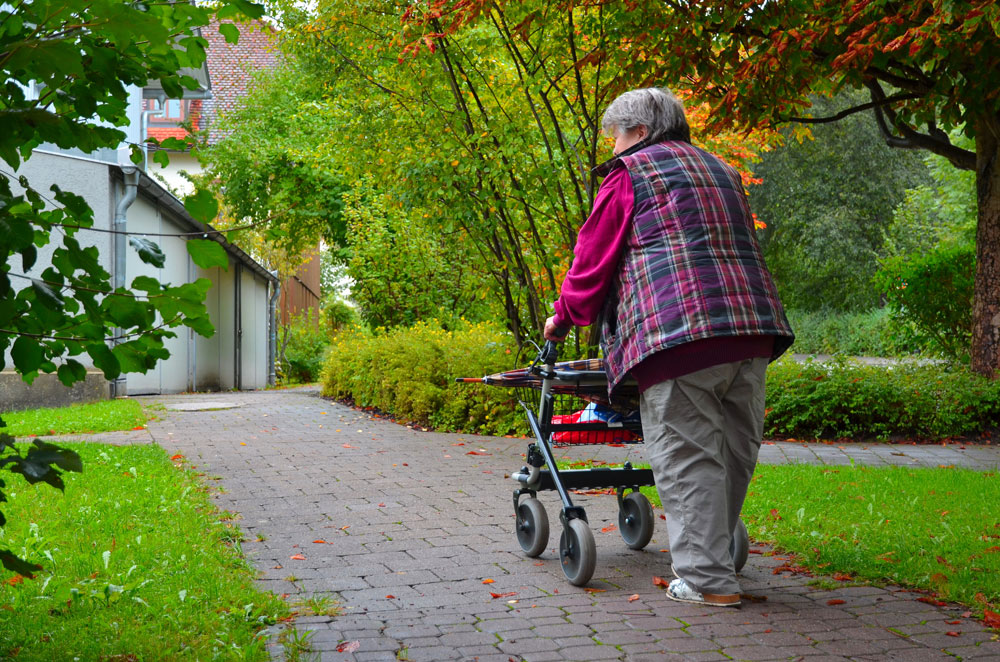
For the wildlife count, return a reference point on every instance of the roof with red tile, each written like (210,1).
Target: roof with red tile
(231,67)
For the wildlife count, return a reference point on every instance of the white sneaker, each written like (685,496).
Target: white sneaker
(680,591)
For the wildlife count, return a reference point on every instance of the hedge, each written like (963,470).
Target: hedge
(410,374)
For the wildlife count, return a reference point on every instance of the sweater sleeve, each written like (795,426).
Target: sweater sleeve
(597,253)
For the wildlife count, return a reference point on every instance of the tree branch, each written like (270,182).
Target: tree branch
(935,140)
(856,109)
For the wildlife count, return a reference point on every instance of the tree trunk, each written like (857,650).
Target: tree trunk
(986,298)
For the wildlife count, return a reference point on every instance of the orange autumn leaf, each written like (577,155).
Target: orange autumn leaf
(320,541)
(390,597)
(488,581)
(835,602)
(953,634)
(609,527)
(502,595)
(659,581)
(596,590)
(991,619)
(297,557)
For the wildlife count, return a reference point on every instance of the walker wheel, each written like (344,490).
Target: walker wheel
(740,547)
(635,520)
(532,527)
(577,552)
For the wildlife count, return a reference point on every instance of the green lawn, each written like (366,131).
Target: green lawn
(138,566)
(935,529)
(102,416)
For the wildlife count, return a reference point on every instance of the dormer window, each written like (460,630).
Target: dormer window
(176,111)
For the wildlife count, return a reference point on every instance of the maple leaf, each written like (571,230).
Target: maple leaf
(660,581)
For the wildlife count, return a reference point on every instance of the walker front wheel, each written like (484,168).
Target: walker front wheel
(577,552)
(635,520)
(532,527)
(740,547)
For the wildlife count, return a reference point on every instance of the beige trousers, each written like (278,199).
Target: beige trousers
(702,435)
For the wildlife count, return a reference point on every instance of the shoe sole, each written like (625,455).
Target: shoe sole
(729,605)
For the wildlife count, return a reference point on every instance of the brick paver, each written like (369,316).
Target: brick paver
(414,522)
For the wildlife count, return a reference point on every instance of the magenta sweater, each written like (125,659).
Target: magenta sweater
(597,256)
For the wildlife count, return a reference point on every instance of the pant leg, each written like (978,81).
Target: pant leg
(684,432)
(743,421)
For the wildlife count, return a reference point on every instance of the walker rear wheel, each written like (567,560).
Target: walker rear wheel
(577,552)
(740,547)
(635,520)
(532,527)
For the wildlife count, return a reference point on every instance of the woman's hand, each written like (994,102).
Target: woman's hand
(553,332)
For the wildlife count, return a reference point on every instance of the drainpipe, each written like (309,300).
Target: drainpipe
(130,174)
(272,336)
(144,123)
(238,327)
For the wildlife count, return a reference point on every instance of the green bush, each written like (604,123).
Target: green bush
(338,314)
(409,372)
(303,342)
(873,333)
(932,292)
(845,399)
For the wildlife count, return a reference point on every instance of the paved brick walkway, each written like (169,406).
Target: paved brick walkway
(415,522)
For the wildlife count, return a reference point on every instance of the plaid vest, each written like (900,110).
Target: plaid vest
(692,267)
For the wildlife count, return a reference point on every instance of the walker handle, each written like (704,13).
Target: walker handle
(549,354)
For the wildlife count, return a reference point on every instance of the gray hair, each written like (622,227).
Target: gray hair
(655,108)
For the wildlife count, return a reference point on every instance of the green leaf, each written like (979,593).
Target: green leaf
(207,253)
(49,297)
(202,205)
(27,354)
(28,256)
(201,324)
(230,32)
(42,452)
(71,372)
(149,252)
(15,564)
(104,360)
(162,158)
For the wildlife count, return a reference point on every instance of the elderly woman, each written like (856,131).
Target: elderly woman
(670,257)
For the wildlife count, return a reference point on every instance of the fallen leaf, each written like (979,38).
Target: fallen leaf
(953,634)
(991,619)
(476,453)
(831,603)
(177,457)
(349,446)
(390,597)
(502,595)
(596,590)
(980,598)
(931,601)
(320,541)
(842,577)
(659,581)
(774,514)
(381,505)
(953,622)
(768,631)
(966,614)
(488,581)
(609,527)
(633,597)
(297,557)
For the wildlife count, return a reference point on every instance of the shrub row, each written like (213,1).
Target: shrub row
(410,374)
(847,399)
